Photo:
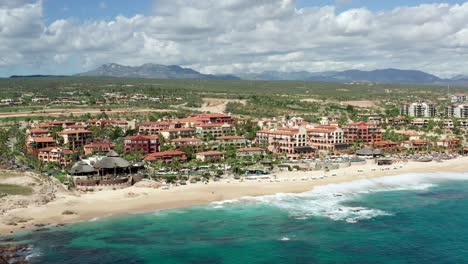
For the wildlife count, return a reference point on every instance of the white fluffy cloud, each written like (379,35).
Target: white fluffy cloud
(242,36)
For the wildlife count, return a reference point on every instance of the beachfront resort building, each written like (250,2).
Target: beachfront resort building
(419,109)
(34,144)
(60,156)
(141,143)
(37,138)
(191,142)
(183,132)
(98,147)
(290,142)
(154,128)
(449,143)
(213,118)
(76,138)
(326,137)
(362,132)
(251,151)
(166,156)
(212,131)
(210,156)
(417,144)
(236,141)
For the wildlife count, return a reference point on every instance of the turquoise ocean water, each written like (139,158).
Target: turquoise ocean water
(411,218)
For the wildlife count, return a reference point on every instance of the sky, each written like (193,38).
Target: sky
(234,36)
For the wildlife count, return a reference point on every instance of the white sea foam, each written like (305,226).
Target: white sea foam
(33,253)
(329,200)
(94,219)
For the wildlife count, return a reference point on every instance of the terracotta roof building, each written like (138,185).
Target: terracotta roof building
(167,156)
(145,144)
(61,156)
(362,132)
(210,156)
(98,147)
(76,138)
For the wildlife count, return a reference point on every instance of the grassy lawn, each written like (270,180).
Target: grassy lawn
(15,189)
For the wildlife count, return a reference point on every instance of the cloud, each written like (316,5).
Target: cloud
(242,36)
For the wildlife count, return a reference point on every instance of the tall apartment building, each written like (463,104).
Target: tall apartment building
(419,109)
(458,98)
(458,111)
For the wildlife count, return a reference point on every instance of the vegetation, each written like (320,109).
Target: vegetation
(12,189)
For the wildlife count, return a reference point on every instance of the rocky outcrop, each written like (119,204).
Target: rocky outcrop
(14,253)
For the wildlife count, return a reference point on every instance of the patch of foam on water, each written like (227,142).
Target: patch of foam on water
(94,219)
(32,254)
(330,200)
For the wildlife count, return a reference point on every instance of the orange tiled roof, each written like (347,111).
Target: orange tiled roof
(80,131)
(43,139)
(141,137)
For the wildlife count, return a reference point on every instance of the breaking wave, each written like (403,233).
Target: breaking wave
(330,200)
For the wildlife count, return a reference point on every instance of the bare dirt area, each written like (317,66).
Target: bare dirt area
(360,104)
(215,105)
(311,100)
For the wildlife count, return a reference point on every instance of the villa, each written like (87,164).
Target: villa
(210,156)
(141,143)
(166,156)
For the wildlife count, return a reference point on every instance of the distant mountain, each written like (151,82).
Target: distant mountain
(154,71)
(277,75)
(459,80)
(379,76)
(35,76)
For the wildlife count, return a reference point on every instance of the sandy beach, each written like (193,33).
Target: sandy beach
(142,199)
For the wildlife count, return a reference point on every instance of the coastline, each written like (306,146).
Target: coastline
(143,199)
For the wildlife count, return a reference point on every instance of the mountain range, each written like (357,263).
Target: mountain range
(158,71)
(154,71)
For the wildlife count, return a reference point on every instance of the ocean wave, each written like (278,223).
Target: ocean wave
(33,253)
(330,200)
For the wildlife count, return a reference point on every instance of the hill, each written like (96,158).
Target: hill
(153,71)
(378,76)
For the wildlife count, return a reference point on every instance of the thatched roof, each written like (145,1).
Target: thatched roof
(81,167)
(369,152)
(112,160)
(112,154)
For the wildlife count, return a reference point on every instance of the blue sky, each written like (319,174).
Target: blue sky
(107,9)
(94,9)
(232,36)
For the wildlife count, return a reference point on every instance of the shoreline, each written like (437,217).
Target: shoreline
(134,200)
